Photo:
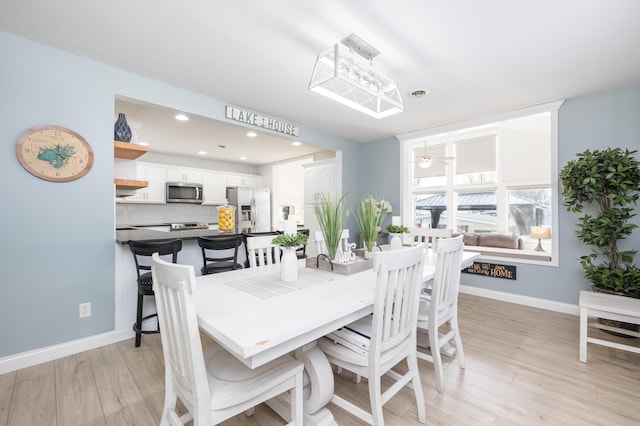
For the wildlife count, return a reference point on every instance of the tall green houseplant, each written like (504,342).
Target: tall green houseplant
(330,213)
(606,183)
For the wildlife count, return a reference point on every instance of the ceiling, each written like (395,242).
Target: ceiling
(475,58)
(157,127)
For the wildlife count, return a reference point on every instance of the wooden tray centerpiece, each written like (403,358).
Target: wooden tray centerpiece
(359,264)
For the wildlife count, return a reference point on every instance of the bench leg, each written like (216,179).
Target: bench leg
(583,334)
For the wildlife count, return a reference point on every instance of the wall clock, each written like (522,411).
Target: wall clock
(54,153)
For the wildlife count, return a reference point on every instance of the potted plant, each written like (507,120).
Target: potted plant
(330,213)
(290,241)
(370,215)
(397,229)
(606,182)
(289,261)
(395,235)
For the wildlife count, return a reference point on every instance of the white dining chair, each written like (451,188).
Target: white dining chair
(441,307)
(262,251)
(429,236)
(321,245)
(372,346)
(213,385)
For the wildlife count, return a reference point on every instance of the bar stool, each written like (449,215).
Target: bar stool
(213,258)
(142,252)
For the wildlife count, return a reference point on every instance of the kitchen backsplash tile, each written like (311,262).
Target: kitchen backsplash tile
(149,214)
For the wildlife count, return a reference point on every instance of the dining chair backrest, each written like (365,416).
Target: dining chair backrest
(429,236)
(395,308)
(446,279)
(262,251)
(246,235)
(185,372)
(321,245)
(441,308)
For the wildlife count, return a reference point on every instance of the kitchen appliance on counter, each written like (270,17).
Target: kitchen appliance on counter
(253,206)
(184,192)
(188,225)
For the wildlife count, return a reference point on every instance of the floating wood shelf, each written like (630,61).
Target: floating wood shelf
(130,184)
(129,151)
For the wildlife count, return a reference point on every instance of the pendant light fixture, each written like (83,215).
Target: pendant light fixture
(345,73)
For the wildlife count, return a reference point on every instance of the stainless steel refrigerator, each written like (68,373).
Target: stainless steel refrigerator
(253,207)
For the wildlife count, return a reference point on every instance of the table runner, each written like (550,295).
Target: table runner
(270,285)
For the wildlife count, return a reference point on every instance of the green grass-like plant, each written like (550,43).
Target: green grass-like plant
(370,215)
(330,212)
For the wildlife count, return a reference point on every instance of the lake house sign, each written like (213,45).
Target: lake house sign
(261,121)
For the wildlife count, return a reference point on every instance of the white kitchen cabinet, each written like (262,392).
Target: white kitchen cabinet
(184,175)
(319,178)
(154,193)
(243,180)
(214,188)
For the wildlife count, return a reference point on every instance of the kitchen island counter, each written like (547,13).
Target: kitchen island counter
(123,236)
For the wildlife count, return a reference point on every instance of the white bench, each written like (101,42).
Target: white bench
(612,307)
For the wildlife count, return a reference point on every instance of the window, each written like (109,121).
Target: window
(494,177)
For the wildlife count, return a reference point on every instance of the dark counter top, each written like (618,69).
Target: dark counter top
(123,236)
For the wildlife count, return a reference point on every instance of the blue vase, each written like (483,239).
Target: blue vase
(121,130)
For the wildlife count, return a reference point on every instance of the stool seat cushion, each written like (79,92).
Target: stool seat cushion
(213,268)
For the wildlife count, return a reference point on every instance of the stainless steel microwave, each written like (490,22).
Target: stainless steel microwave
(184,192)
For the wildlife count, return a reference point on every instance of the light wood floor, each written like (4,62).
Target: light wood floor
(522,368)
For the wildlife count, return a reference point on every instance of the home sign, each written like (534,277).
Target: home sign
(493,270)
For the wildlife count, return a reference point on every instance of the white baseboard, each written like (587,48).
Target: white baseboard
(49,353)
(38,356)
(534,302)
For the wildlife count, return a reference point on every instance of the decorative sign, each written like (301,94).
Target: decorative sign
(493,270)
(254,119)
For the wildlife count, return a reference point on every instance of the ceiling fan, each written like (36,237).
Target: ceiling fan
(425,161)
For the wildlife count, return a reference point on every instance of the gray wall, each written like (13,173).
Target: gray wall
(597,121)
(58,239)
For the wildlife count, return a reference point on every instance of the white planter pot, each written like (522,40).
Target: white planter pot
(395,242)
(289,265)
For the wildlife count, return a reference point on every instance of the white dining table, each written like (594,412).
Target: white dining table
(257,317)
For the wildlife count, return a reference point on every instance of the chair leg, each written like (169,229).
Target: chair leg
(375,396)
(458,338)
(138,325)
(412,363)
(434,342)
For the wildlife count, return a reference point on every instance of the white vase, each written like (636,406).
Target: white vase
(395,243)
(289,265)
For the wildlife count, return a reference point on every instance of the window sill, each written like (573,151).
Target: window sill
(523,256)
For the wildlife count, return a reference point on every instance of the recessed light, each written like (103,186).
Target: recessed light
(243,158)
(182,117)
(296,143)
(252,134)
(222,146)
(202,152)
(418,93)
